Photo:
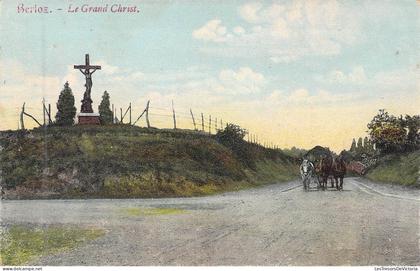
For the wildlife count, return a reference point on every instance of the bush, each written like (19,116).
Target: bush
(233,138)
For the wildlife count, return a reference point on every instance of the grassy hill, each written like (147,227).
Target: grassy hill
(398,168)
(124,161)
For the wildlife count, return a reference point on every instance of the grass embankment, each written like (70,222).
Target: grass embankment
(125,161)
(21,244)
(403,169)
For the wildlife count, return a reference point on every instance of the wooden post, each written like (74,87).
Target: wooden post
(22,125)
(202,122)
(113,114)
(46,112)
(209,124)
(215,124)
(173,114)
(192,116)
(43,111)
(130,113)
(121,119)
(49,114)
(147,114)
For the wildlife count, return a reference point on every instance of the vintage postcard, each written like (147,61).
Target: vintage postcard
(138,133)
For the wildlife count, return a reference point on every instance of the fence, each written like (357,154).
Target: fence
(148,116)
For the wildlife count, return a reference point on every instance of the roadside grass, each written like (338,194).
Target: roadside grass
(131,162)
(403,169)
(137,211)
(268,172)
(21,244)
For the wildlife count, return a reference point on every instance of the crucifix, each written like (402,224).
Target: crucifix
(87,71)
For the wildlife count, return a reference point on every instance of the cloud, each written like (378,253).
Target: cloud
(107,68)
(212,31)
(302,97)
(355,76)
(245,80)
(284,33)
(299,95)
(249,12)
(238,30)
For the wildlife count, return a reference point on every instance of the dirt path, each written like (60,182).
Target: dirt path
(366,224)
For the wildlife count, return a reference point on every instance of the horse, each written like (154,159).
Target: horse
(306,172)
(324,171)
(339,170)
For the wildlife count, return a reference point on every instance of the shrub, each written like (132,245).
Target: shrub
(66,111)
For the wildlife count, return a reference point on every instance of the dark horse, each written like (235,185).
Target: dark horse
(338,171)
(324,170)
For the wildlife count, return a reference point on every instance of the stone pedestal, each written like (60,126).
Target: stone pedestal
(89,118)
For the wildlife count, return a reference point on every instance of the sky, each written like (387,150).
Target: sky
(295,73)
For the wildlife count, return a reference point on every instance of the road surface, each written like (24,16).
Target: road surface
(366,224)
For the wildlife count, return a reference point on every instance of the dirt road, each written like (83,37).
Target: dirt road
(366,224)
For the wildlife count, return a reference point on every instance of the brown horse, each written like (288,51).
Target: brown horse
(324,170)
(339,170)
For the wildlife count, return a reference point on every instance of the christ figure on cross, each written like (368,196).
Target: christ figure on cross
(87,71)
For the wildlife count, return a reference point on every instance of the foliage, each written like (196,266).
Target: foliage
(359,146)
(233,138)
(20,244)
(364,147)
(412,124)
(353,145)
(295,152)
(126,161)
(391,134)
(232,135)
(66,111)
(104,109)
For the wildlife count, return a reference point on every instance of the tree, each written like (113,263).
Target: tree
(387,132)
(105,113)
(66,111)
(353,145)
(359,146)
(412,124)
(366,144)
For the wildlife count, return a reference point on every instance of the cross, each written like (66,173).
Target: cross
(87,66)
(87,71)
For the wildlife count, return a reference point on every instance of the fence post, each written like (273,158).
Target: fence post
(209,124)
(43,111)
(113,114)
(22,125)
(130,113)
(147,114)
(49,114)
(202,122)
(173,114)
(192,116)
(121,119)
